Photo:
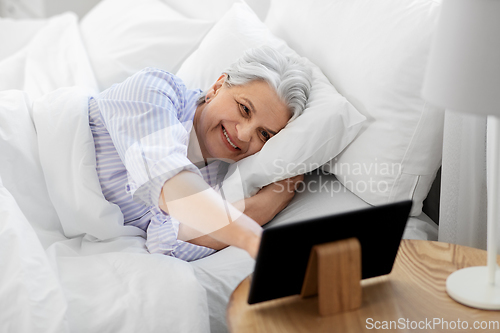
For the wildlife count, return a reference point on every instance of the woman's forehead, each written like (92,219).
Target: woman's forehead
(260,95)
(263,102)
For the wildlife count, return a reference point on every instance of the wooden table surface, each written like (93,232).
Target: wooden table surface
(411,298)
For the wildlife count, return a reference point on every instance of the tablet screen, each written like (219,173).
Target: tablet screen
(284,250)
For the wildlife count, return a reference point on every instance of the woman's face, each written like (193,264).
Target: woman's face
(235,122)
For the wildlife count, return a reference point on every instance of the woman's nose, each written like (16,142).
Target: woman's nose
(244,132)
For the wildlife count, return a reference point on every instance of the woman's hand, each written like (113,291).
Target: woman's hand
(203,214)
(271,199)
(252,245)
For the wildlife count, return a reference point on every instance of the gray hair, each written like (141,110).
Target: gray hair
(290,77)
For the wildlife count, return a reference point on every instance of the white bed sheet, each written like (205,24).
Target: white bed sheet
(326,195)
(55,275)
(16,34)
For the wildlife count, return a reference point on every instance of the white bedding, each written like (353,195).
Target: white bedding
(55,274)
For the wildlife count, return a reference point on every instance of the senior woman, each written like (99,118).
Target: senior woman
(159,145)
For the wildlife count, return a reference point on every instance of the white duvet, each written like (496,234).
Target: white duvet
(67,263)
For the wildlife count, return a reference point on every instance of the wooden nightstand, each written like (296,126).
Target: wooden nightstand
(412,298)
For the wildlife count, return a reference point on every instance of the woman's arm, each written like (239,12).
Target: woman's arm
(271,199)
(262,208)
(190,200)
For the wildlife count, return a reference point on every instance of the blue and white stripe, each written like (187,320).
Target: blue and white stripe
(141,132)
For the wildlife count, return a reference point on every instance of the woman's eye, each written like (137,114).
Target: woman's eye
(265,135)
(245,109)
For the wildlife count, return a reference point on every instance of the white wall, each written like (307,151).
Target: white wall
(21,9)
(80,7)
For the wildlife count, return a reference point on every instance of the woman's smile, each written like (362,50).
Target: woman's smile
(228,140)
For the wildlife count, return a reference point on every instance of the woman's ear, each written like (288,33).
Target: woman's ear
(220,81)
(214,89)
(218,84)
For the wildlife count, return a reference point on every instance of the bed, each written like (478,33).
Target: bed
(67,262)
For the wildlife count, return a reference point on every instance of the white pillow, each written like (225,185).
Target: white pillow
(326,127)
(375,53)
(124,36)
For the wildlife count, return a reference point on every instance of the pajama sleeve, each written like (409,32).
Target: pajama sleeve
(142,116)
(162,238)
(163,229)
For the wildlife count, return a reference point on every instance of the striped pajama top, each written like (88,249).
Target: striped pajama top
(141,133)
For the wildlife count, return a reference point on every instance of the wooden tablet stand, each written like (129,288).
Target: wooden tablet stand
(334,274)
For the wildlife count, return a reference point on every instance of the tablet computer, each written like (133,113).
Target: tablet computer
(284,250)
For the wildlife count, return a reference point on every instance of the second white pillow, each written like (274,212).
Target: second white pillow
(124,36)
